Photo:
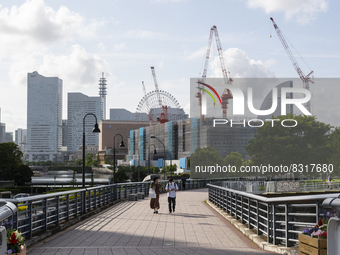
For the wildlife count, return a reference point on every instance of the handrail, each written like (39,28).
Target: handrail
(279,199)
(38,213)
(7,209)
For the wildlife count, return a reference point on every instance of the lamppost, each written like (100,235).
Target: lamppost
(163,152)
(114,155)
(139,160)
(95,130)
(154,152)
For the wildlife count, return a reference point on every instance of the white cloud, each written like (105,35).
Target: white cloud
(145,34)
(303,11)
(78,69)
(198,54)
(101,46)
(240,66)
(119,46)
(35,26)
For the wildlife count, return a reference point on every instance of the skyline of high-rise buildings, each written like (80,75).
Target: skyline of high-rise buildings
(44,117)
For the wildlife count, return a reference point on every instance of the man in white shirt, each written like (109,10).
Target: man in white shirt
(171,188)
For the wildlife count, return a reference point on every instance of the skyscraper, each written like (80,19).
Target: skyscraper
(102,94)
(78,105)
(44,117)
(21,138)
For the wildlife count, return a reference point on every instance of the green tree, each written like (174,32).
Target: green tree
(202,158)
(107,160)
(22,174)
(73,181)
(121,175)
(89,159)
(79,162)
(334,144)
(92,179)
(171,169)
(11,164)
(234,159)
(306,143)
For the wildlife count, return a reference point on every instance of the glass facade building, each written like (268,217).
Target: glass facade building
(78,105)
(44,117)
(182,137)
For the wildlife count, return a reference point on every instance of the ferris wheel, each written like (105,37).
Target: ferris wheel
(149,107)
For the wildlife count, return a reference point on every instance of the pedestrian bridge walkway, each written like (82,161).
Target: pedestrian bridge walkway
(132,228)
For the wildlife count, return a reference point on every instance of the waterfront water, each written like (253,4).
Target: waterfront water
(64,177)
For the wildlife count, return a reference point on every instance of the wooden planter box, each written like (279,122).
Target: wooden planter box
(312,246)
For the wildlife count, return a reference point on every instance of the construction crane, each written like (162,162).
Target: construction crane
(306,79)
(164,109)
(226,93)
(147,104)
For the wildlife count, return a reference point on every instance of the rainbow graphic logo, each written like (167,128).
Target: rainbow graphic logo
(209,93)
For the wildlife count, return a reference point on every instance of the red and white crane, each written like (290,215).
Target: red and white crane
(306,79)
(226,93)
(164,109)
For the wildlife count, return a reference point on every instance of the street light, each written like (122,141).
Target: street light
(114,155)
(95,130)
(163,152)
(154,152)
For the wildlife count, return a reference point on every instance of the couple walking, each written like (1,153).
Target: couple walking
(170,188)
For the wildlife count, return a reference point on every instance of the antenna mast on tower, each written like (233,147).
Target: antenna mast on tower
(102,94)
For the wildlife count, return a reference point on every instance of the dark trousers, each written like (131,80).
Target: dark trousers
(183,184)
(172,200)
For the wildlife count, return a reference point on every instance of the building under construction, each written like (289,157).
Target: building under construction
(182,137)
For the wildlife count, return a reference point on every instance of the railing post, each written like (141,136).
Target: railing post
(249,214)
(242,220)
(89,200)
(236,217)
(286,223)
(269,223)
(45,211)
(273,224)
(57,209)
(125,191)
(258,218)
(30,205)
(95,199)
(76,203)
(67,207)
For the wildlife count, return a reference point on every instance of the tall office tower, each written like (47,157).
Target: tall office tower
(64,132)
(2,132)
(21,138)
(78,105)
(102,94)
(44,117)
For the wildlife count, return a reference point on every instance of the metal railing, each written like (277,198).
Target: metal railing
(7,211)
(36,214)
(280,219)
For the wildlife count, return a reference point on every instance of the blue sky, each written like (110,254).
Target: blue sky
(77,40)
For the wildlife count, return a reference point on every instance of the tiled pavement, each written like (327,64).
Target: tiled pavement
(132,228)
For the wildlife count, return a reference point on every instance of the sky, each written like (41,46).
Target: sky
(78,40)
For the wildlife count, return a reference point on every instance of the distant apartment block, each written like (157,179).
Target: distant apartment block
(21,138)
(44,117)
(2,132)
(78,106)
(9,137)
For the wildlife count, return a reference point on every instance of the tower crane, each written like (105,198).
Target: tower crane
(164,109)
(306,79)
(147,104)
(226,93)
